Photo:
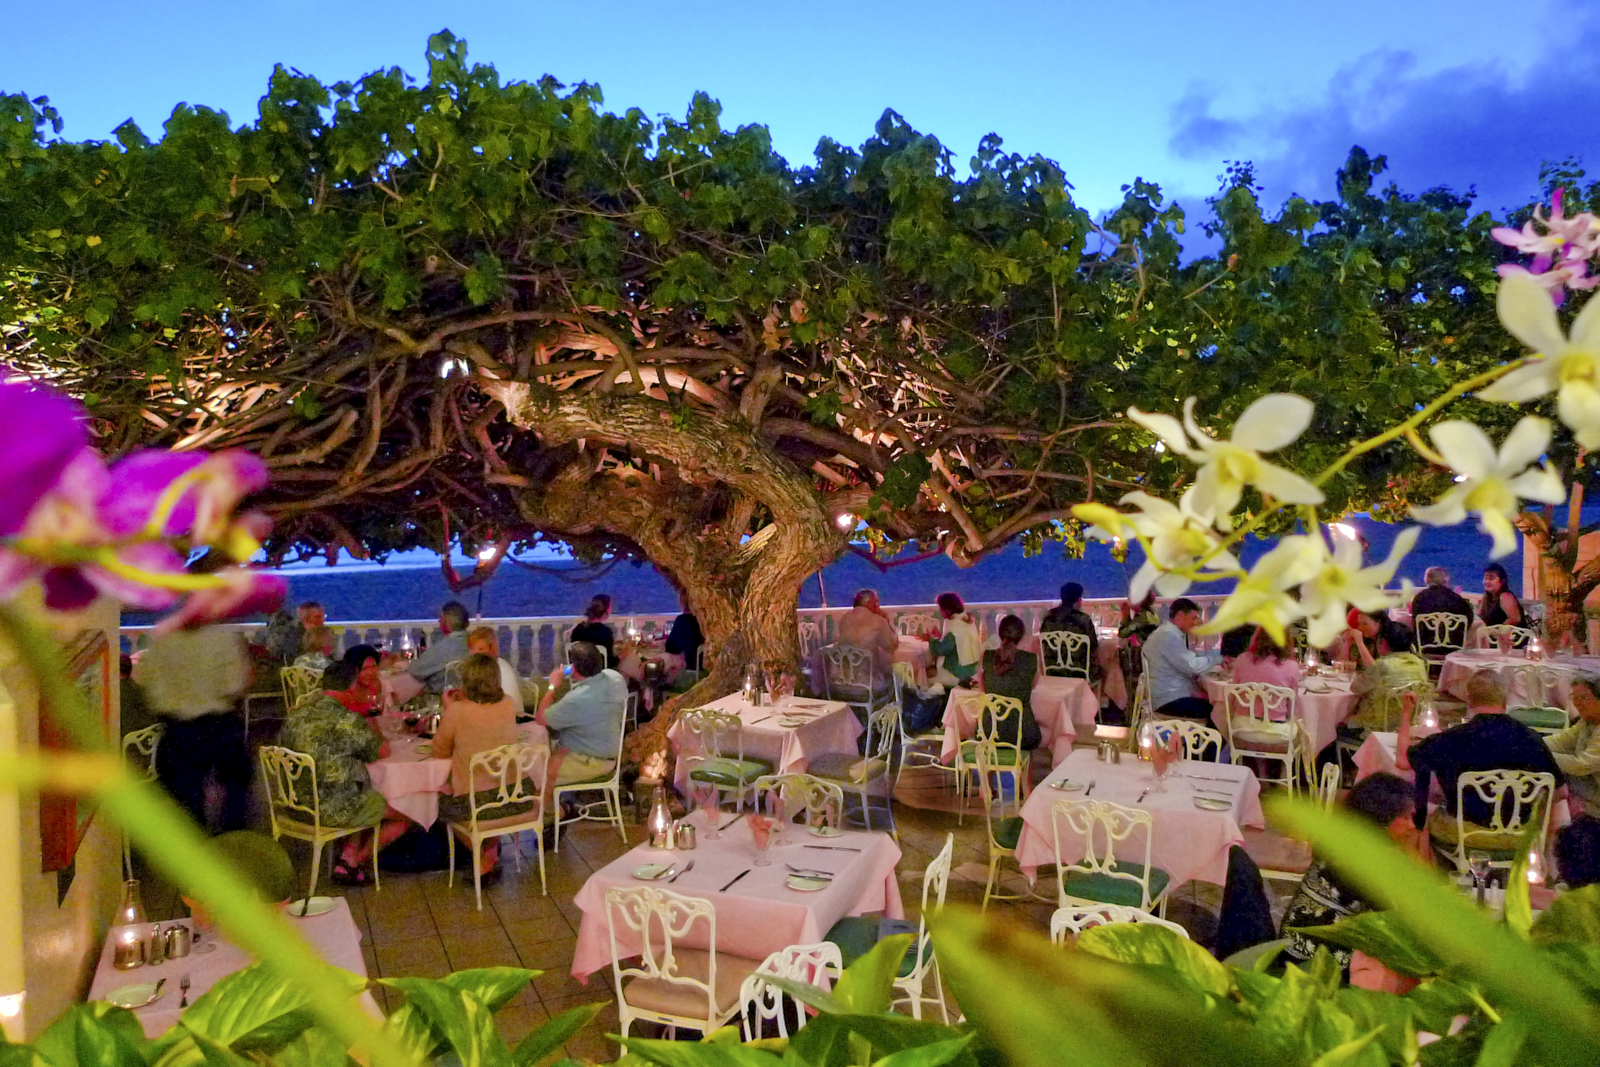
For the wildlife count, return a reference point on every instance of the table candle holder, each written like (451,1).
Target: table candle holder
(129,949)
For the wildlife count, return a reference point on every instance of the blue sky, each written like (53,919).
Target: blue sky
(1459,92)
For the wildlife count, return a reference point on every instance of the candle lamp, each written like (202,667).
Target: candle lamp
(1535,868)
(130,948)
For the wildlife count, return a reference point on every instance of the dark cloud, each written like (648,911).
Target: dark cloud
(1466,127)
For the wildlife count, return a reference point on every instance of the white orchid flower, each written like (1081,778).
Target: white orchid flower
(1262,597)
(1227,466)
(1177,536)
(1494,483)
(1567,366)
(1340,583)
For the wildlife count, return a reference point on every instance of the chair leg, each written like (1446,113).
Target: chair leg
(555,800)
(938,988)
(988,886)
(377,840)
(516,849)
(450,836)
(538,843)
(615,797)
(316,864)
(477,878)
(866,809)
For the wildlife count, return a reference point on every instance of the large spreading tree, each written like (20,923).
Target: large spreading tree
(462,309)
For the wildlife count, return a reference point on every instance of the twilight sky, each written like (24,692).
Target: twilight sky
(1456,92)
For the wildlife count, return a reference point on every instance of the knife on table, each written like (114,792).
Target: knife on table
(834,848)
(736,877)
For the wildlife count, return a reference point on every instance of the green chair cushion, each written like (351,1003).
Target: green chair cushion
(728,772)
(1108,890)
(1540,718)
(1005,757)
(1499,845)
(856,934)
(846,767)
(1008,831)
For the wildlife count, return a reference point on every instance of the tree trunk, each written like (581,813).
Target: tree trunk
(696,527)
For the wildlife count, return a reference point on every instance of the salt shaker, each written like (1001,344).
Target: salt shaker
(158,945)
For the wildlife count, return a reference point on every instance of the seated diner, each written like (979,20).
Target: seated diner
(477,717)
(1011,671)
(584,716)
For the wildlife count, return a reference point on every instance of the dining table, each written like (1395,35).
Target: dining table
(788,733)
(1459,667)
(914,652)
(1189,842)
(411,779)
(1113,686)
(757,911)
(333,935)
(1324,700)
(1060,706)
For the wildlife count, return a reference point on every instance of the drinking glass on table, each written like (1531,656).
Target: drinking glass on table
(706,799)
(761,828)
(1162,757)
(1479,866)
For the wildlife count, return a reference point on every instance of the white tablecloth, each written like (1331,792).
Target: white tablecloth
(1459,667)
(759,914)
(334,935)
(914,650)
(832,727)
(1190,843)
(1321,712)
(412,782)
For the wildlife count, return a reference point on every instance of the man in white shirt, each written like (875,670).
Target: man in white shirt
(1173,669)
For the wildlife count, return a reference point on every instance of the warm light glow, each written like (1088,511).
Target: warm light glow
(1160,446)
(488,552)
(846,521)
(1535,868)
(11,1005)
(1345,530)
(453,365)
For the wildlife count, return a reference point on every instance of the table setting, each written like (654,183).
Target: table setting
(1459,667)
(1060,706)
(772,883)
(1198,809)
(410,778)
(1323,697)
(788,732)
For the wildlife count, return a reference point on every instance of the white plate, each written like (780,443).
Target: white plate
(316,906)
(1213,804)
(1067,785)
(826,831)
(800,883)
(651,871)
(791,723)
(134,996)
(1318,689)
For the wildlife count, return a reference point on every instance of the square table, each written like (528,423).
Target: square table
(914,651)
(1189,843)
(758,914)
(1060,705)
(831,727)
(411,782)
(1321,711)
(334,935)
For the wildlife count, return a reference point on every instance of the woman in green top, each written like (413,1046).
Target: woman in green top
(1387,668)
(958,649)
(1009,672)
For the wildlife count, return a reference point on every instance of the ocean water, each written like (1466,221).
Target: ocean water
(564,588)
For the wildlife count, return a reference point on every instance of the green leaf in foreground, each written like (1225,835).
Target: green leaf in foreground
(1385,938)
(1573,916)
(463,1021)
(546,1041)
(867,986)
(257,1008)
(1148,943)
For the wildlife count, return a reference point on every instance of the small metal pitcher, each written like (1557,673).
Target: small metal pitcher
(178,941)
(684,838)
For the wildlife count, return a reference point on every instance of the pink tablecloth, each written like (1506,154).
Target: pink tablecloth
(1190,843)
(759,914)
(411,782)
(1113,686)
(1059,705)
(914,650)
(334,935)
(1321,712)
(833,728)
(1459,667)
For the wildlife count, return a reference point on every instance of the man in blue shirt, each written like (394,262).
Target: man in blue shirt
(586,722)
(1173,669)
(449,647)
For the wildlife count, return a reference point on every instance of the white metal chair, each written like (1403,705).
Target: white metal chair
(810,637)
(519,773)
(760,1000)
(917,623)
(1328,786)
(994,713)
(295,807)
(1065,653)
(1139,709)
(1002,831)
(139,749)
(1535,698)
(856,934)
(1263,723)
(673,985)
(1440,633)
(1099,877)
(1513,798)
(819,801)
(1200,742)
(712,731)
(1516,636)
(850,676)
(298,683)
(630,711)
(1068,922)
(867,776)
(608,785)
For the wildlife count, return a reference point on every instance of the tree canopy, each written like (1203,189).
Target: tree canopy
(461,308)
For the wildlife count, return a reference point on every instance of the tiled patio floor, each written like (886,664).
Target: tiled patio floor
(417,925)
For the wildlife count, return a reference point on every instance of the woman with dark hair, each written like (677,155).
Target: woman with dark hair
(1386,667)
(1139,622)
(1500,605)
(594,630)
(1386,801)
(1577,852)
(477,717)
(957,648)
(1266,661)
(1010,671)
(365,696)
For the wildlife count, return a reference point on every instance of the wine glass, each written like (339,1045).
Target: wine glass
(706,800)
(761,827)
(1479,866)
(1161,757)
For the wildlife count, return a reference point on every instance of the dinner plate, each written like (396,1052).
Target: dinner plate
(826,831)
(651,871)
(1318,689)
(135,996)
(803,884)
(792,722)
(1067,785)
(423,750)
(316,906)
(1213,804)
